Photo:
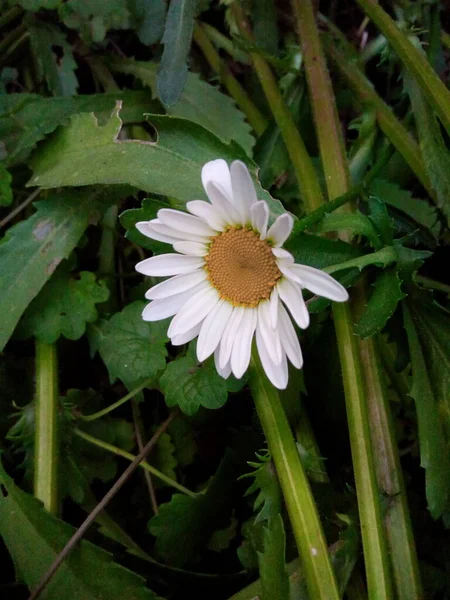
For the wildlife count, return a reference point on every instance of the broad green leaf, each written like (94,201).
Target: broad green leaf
(319,252)
(94,18)
(88,572)
(132,349)
(380,219)
(84,153)
(148,210)
(419,210)
(434,149)
(150,16)
(6,195)
(162,457)
(273,573)
(177,37)
(355,222)
(33,249)
(199,102)
(268,498)
(189,384)
(428,329)
(63,306)
(183,437)
(184,525)
(25,119)
(54,58)
(381,305)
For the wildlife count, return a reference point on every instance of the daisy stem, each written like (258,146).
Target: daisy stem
(46,442)
(368,423)
(145,465)
(303,514)
(242,99)
(302,164)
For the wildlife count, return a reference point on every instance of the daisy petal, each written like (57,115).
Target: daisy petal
(200,305)
(242,345)
(291,295)
(244,194)
(167,307)
(281,229)
(212,329)
(145,227)
(208,213)
(226,345)
(289,339)
(184,222)
(191,248)
(175,285)
(273,309)
(277,374)
(320,283)
(184,338)
(178,236)
(219,200)
(165,265)
(269,335)
(224,372)
(260,217)
(218,172)
(283,255)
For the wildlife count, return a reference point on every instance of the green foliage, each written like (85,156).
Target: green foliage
(216,112)
(93,19)
(177,37)
(6,195)
(162,457)
(34,248)
(130,217)
(268,500)
(150,18)
(131,349)
(64,306)
(88,573)
(272,566)
(189,384)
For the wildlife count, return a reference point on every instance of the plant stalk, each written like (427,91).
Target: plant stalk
(46,445)
(303,514)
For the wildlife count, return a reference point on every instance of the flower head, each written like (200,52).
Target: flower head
(230,278)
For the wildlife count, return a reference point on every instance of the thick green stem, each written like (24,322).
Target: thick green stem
(415,61)
(297,493)
(302,164)
(397,522)
(46,444)
(145,465)
(242,99)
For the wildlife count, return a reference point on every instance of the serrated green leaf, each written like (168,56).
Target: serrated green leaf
(222,538)
(381,221)
(419,210)
(272,565)
(93,19)
(382,304)
(268,498)
(89,572)
(54,58)
(189,384)
(184,525)
(25,119)
(355,222)
(84,153)
(177,38)
(200,102)
(130,217)
(132,349)
(6,195)
(428,329)
(33,249)
(382,258)
(150,16)
(63,307)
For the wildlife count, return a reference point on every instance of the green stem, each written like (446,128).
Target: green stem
(302,164)
(413,59)
(46,446)
(397,522)
(297,493)
(145,465)
(222,42)
(12,37)
(111,407)
(242,99)
(432,284)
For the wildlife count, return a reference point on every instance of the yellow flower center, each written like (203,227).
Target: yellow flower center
(242,267)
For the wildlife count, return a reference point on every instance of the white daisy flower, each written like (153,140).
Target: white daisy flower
(230,278)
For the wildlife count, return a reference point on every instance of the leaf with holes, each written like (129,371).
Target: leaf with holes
(131,349)
(89,572)
(63,307)
(189,384)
